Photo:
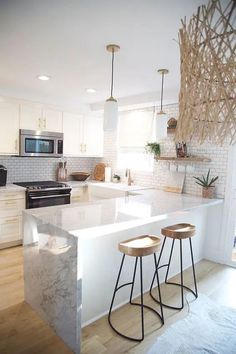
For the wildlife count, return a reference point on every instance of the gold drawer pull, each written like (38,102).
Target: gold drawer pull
(11,221)
(10,202)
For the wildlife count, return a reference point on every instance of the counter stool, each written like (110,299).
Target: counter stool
(177,232)
(138,247)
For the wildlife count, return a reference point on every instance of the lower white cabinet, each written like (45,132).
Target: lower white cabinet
(10,231)
(79,194)
(11,207)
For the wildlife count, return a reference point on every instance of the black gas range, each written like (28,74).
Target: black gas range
(45,193)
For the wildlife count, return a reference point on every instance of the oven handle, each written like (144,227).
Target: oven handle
(50,196)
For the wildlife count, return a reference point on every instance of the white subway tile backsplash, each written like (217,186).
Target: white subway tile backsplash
(157,178)
(24,169)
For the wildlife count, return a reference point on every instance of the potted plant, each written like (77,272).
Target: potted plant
(153,148)
(208,189)
(116,178)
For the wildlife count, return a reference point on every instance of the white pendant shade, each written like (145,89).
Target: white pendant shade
(110,115)
(161,126)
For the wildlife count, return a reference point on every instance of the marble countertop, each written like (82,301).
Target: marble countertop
(117,186)
(9,187)
(105,216)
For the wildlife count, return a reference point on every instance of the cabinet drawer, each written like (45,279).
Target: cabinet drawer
(79,194)
(10,229)
(11,207)
(11,195)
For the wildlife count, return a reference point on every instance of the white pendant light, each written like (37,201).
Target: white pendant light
(111,106)
(161,117)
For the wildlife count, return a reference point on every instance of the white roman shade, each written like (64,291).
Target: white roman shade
(135,128)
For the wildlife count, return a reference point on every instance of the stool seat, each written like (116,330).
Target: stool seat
(179,231)
(140,246)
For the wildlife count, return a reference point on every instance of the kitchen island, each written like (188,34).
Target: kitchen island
(71,257)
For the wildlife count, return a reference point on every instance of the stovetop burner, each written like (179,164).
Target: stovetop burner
(41,185)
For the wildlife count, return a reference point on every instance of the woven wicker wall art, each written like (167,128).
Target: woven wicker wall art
(207,99)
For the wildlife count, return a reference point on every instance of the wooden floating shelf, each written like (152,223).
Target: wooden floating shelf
(183,159)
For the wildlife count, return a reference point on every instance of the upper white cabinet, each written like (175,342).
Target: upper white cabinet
(52,120)
(9,132)
(93,136)
(72,128)
(31,116)
(83,135)
(37,117)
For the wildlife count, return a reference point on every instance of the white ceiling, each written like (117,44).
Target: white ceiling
(66,39)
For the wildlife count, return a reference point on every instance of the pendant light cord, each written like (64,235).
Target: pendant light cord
(162,87)
(112,72)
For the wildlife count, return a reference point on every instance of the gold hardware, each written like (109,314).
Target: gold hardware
(112,48)
(81,147)
(39,123)
(11,221)
(44,121)
(85,147)
(16,145)
(10,202)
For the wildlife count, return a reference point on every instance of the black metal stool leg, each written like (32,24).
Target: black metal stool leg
(159,289)
(159,259)
(181,274)
(181,277)
(142,305)
(193,267)
(133,281)
(168,265)
(116,286)
(141,288)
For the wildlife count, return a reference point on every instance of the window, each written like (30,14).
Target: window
(135,130)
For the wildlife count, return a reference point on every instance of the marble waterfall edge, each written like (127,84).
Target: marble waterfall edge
(52,278)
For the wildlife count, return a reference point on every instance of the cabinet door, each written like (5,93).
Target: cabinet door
(79,194)
(10,229)
(93,136)
(72,129)
(31,117)
(52,120)
(9,132)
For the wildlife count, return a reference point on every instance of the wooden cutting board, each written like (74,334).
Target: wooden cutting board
(174,182)
(99,172)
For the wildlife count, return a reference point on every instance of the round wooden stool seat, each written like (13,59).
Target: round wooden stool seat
(179,231)
(140,246)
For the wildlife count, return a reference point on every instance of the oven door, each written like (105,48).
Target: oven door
(41,144)
(40,199)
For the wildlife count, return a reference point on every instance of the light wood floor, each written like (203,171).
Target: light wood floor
(23,332)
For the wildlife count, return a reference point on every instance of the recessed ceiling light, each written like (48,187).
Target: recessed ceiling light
(90,90)
(44,77)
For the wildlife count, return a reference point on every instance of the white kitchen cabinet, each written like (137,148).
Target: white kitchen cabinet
(52,120)
(72,129)
(31,116)
(11,206)
(79,194)
(83,135)
(9,132)
(93,136)
(34,116)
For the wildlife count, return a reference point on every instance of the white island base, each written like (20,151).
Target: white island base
(71,256)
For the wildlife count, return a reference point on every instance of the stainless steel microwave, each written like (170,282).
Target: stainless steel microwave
(40,144)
